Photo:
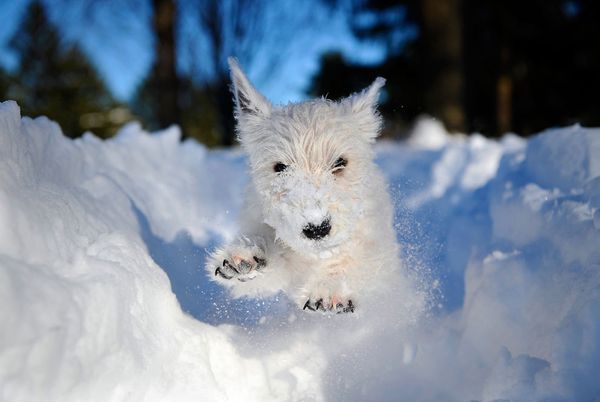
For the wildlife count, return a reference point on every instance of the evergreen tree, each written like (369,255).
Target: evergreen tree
(394,25)
(4,84)
(59,82)
(198,117)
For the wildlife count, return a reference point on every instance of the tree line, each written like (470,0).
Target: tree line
(477,65)
(55,78)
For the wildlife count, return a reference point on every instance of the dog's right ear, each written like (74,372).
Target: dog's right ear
(248,101)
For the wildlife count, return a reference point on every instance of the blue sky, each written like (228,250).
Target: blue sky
(123,53)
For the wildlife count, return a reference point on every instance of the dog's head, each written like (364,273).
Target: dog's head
(311,162)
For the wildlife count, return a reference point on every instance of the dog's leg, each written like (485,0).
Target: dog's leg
(244,259)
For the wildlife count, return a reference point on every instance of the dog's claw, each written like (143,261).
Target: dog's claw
(308,306)
(227,264)
(320,306)
(260,262)
(220,273)
(347,309)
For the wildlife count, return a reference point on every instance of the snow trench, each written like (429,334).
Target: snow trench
(103,295)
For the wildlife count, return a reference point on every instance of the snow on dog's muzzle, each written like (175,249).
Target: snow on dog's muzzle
(304,211)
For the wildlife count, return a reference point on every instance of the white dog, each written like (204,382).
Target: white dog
(318,221)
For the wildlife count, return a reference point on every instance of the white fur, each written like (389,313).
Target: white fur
(360,252)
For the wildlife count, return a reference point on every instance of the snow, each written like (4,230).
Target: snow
(103,295)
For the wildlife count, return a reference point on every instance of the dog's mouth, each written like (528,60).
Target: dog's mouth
(321,249)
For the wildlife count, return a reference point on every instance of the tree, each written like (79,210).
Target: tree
(4,84)
(57,81)
(192,42)
(191,71)
(166,102)
(440,43)
(485,66)
(531,65)
(253,32)
(424,45)
(390,24)
(189,82)
(423,65)
(198,118)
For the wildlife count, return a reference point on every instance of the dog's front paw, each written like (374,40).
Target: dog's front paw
(239,262)
(333,305)
(242,270)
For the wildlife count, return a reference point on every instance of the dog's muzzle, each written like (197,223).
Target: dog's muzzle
(317,232)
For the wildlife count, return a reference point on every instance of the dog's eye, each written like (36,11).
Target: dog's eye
(339,165)
(279,167)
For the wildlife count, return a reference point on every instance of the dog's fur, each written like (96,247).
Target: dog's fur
(273,253)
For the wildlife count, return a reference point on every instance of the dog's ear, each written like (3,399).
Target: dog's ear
(363,106)
(366,100)
(248,101)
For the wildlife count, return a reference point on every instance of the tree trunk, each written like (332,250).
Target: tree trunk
(167,84)
(504,87)
(224,102)
(443,58)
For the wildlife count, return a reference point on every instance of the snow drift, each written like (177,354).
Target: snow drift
(103,295)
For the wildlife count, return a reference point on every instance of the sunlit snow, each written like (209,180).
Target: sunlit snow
(103,295)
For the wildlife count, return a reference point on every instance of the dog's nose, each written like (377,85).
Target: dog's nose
(316,232)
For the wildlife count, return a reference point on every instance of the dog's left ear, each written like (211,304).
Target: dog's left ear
(363,105)
(366,100)
(248,101)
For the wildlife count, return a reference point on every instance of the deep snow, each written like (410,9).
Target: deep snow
(102,246)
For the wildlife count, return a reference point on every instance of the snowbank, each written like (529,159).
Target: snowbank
(103,296)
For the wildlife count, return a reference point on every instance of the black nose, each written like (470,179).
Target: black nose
(316,232)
